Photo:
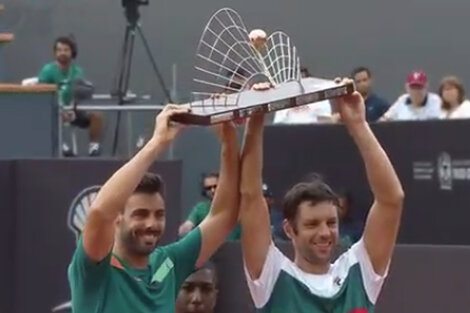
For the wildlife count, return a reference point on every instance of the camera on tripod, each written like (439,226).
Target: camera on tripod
(129,3)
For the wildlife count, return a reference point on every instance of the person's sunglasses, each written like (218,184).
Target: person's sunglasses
(207,188)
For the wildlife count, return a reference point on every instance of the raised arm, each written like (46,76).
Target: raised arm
(223,215)
(383,222)
(254,214)
(98,234)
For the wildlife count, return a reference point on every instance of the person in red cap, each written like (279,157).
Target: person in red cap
(417,104)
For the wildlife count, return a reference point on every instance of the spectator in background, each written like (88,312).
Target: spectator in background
(350,230)
(454,102)
(275,214)
(316,112)
(198,294)
(63,72)
(375,105)
(201,209)
(417,104)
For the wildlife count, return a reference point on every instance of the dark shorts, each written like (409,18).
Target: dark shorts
(81,119)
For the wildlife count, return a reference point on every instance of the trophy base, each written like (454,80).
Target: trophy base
(242,105)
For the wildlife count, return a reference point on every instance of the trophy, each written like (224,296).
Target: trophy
(230,61)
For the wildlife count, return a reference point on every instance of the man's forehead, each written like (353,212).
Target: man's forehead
(146,201)
(201,276)
(322,209)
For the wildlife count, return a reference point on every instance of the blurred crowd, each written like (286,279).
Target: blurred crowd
(417,102)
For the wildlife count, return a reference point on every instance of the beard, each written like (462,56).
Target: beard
(140,242)
(63,59)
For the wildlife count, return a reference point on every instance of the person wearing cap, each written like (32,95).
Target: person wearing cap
(417,104)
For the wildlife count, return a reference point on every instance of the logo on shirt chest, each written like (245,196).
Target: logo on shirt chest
(162,271)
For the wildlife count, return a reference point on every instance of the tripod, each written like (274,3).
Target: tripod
(131,9)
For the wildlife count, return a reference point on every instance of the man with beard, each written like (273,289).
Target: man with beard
(63,72)
(311,283)
(198,294)
(117,267)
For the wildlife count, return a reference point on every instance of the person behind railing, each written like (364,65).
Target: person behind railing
(199,212)
(455,105)
(417,104)
(317,112)
(375,106)
(208,185)
(63,72)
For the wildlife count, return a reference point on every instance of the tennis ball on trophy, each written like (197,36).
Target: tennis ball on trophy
(258,38)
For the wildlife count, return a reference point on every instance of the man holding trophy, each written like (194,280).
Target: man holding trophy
(117,266)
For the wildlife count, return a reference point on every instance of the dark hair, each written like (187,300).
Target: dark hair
(69,42)
(454,82)
(314,191)
(203,177)
(304,70)
(360,69)
(151,183)
(209,265)
(209,174)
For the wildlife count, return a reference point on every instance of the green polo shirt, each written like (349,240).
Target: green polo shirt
(201,210)
(113,286)
(52,74)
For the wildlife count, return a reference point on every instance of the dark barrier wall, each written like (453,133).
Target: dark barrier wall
(28,125)
(7,236)
(44,244)
(431,159)
(431,279)
(385,36)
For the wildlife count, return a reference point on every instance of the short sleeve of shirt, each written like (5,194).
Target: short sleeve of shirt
(392,112)
(373,282)
(86,276)
(198,213)
(45,75)
(78,72)
(261,288)
(184,254)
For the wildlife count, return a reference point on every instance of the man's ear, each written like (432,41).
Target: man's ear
(288,229)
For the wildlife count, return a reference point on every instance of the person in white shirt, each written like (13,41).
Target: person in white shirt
(454,103)
(305,114)
(417,104)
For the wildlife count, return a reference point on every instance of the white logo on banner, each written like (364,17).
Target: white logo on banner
(444,170)
(79,208)
(78,213)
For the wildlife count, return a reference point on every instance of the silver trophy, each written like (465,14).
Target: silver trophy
(230,60)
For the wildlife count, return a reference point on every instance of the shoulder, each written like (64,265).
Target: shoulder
(434,98)
(379,100)
(465,105)
(371,281)
(77,67)
(49,67)
(401,100)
